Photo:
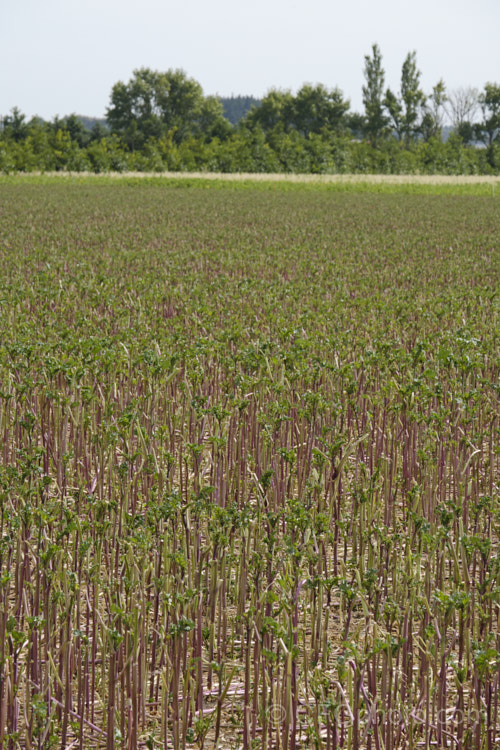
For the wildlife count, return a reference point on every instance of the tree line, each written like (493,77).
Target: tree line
(161,121)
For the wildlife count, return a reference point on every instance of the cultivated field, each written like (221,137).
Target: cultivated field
(250,466)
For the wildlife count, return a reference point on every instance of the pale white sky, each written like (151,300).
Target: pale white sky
(63,56)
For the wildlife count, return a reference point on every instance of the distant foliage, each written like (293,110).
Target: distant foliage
(162,121)
(236,107)
(91,122)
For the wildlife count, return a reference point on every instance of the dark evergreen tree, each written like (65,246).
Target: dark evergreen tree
(237,107)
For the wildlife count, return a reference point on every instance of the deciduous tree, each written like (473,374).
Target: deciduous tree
(489,101)
(433,119)
(393,105)
(317,108)
(462,106)
(152,104)
(276,108)
(15,125)
(405,111)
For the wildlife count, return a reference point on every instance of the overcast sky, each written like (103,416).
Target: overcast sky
(63,56)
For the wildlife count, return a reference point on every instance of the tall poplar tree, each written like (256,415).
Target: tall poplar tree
(376,120)
(412,96)
(406,110)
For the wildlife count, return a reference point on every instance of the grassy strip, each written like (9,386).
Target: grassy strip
(384,184)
